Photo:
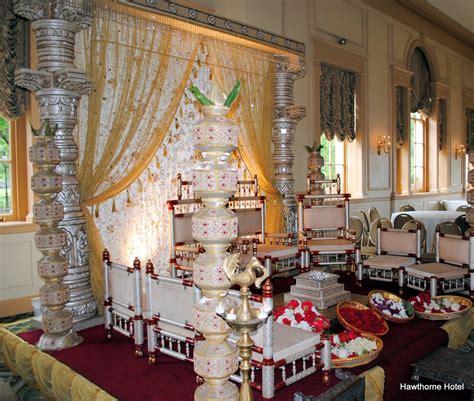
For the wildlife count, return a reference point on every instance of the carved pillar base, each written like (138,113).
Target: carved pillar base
(49,342)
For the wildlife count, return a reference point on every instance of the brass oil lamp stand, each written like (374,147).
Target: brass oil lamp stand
(245,319)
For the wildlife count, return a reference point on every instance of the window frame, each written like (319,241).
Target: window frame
(19,171)
(424,120)
(343,144)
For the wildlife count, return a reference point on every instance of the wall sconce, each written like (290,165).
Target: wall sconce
(383,144)
(459,150)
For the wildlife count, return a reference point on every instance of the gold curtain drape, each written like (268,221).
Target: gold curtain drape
(254,108)
(129,112)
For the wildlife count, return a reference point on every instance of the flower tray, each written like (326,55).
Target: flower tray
(388,295)
(359,360)
(446,316)
(358,306)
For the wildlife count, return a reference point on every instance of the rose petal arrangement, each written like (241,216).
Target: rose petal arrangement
(399,309)
(363,319)
(425,304)
(349,344)
(303,315)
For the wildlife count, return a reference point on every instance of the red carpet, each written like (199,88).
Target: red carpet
(113,367)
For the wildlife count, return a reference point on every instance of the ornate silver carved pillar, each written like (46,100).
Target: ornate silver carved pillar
(58,86)
(286,116)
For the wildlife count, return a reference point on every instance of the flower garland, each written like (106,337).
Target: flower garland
(363,319)
(303,315)
(425,304)
(350,344)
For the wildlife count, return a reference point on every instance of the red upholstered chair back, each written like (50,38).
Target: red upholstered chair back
(453,249)
(323,215)
(399,241)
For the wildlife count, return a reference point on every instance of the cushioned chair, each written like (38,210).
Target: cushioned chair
(463,208)
(462,223)
(451,271)
(449,228)
(324,230)
(412,225)
(277,251)
(123,301)
(183,248)
(407,208)
(374,214)
(371,248)
(401,219)
(396,249)
(356,225)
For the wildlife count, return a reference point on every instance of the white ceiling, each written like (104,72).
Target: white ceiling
(461,11)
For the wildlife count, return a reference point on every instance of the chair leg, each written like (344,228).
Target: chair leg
(401,280)
(360,274)
(152,358)
(433,286)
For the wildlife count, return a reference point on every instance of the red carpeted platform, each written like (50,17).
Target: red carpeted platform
(112,365)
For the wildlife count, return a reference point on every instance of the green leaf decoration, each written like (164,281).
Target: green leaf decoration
(409,308)
(311,149)
(233,94)
(200,97)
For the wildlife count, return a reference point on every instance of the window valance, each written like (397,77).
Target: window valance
(400,119)
(470,129)
(12,56)
(337,92)
(420,83)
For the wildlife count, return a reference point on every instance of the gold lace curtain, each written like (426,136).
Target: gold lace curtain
(133,67)
(254,110)
(130,110)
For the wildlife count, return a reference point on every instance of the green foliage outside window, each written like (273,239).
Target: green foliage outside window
(5,167)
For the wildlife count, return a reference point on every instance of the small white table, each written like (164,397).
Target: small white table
(430,218)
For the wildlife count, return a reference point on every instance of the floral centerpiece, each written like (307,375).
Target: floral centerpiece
(355,316)
(351,349)
(391,307)
(441,307)
(303,315)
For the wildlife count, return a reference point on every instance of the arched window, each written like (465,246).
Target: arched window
(420,111)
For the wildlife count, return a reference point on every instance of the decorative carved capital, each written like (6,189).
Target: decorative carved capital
(76,11)
(32,9)
(73,80)
(32,80)
(291,64)
(295,112)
